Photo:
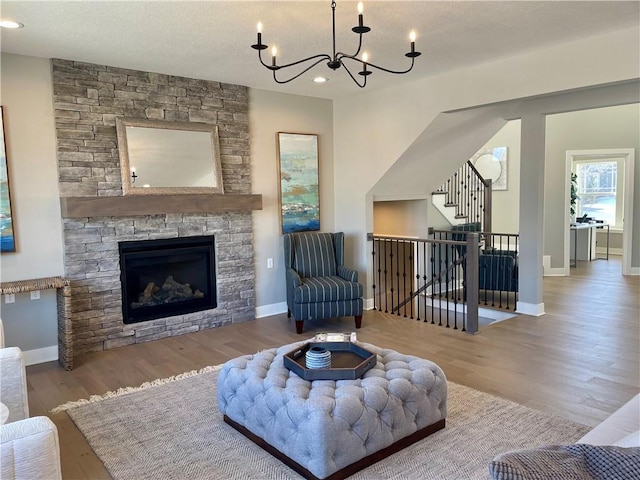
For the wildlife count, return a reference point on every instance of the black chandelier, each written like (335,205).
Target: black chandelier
(336,60)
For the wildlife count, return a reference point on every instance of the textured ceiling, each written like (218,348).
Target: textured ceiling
(211,39)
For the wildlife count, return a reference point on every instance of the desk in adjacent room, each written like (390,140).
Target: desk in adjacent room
(590,241)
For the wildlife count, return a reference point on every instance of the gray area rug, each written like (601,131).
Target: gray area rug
(172,429)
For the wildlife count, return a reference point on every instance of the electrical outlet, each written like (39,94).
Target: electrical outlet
(10,298)
(35,295)
(269,262)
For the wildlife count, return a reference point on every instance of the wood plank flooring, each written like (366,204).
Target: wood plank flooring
(581,360)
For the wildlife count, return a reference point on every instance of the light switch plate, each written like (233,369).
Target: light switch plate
(10,298)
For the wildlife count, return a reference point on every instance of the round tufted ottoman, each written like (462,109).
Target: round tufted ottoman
(331,429)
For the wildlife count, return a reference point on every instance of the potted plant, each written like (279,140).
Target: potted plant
(574,196)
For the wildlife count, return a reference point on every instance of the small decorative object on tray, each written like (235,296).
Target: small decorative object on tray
(336,337)
(318,357)
(346,360)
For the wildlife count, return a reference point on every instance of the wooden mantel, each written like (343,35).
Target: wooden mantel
(73,207)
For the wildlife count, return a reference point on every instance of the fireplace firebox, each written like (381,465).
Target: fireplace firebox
(166,277)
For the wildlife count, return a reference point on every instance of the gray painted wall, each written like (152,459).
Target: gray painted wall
(269,113)
(31,324)
(26,94)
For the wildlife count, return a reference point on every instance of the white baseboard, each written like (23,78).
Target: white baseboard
(552,272)
(555,272)
(368,303)
(533,309)
(40,355)
(634,271)
(612,251)
(272,309)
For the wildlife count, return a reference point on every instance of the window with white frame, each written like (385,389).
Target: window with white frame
(600,189)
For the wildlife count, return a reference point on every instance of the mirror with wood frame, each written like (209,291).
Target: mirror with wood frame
(163,158)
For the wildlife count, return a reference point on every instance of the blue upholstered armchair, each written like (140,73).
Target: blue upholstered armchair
(498,269)
(319,286)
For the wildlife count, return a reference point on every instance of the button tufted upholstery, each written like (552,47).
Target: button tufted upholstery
(326,425)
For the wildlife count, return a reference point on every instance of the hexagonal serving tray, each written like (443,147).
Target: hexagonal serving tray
(348,361)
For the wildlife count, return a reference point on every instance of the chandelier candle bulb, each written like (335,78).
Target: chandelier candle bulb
(259,46)
(360,17)
(274,52)
(365,59)
(412,39)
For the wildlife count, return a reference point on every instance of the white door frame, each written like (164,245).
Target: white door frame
(628,154)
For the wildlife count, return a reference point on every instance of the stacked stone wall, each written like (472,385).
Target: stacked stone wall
(87,100)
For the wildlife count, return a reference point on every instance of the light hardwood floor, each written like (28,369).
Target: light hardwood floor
(581,360)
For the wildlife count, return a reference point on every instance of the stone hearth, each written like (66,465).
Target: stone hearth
(87,100)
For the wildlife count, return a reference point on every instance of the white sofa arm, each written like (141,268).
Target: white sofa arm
(624,423)
(30,450)
(13,383)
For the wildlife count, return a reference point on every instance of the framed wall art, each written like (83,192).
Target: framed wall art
(7,238)
(492,163)
(298,184)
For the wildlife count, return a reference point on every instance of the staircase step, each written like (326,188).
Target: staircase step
(462,216)
(450,204)
(438,193)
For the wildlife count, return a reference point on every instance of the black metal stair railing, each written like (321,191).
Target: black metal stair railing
(470,194)
(498,268)
(427,279)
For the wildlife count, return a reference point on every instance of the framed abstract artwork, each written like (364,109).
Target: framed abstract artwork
(7,238)
(492,163)
(298,184)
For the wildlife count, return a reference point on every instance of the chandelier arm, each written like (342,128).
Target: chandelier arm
(373,65)
(261,61)
(324,57)
(321,57)
(364,83)
(341,55)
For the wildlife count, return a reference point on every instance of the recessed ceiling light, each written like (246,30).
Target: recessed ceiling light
(10,24)
(320,79)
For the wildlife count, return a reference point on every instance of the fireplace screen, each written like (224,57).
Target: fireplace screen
(162,278)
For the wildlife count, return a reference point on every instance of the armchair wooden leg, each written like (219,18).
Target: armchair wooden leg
(288,313)
(358,321)
(299,324)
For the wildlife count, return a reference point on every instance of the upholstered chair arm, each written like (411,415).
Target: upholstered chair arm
(293,281)
(13,383)
(30,449)
(347,273)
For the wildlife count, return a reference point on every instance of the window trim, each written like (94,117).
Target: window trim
(620,161)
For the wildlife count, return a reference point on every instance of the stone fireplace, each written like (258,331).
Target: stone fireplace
(87,100)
